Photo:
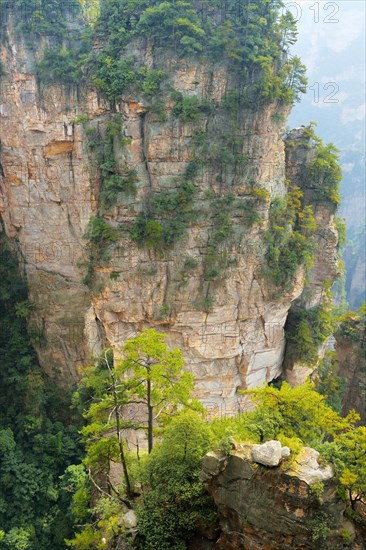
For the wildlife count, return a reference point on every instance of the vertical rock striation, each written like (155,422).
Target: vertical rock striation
(274,508)
(230,324)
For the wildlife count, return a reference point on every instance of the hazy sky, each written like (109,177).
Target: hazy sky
(332,45)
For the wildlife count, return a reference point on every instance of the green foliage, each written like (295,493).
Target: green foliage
(148,232)
(298,412)
(317,489)
(347,452)
(117,177)
(328,383)
(149,377)
(166,218)
(35,445)
(290,241)
(101,237)
(176,501)
(324,174)
(253,37)
(319,527)
(342,231)
(216,258)
(352,326)
(41,17)
(156,379)
(307,329)
(261,194)
(99,232)
(114,76)
(59,65)
(190,109)
(302,413)
(24,309)
(18,539)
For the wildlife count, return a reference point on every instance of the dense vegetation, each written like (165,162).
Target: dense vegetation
(290,238)
(324,174)
(251,35)
(148,393)
(163,486)
(308,329)
(40,470)
(37,440)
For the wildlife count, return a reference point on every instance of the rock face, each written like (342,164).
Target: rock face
(351,357)
(49,191)
(273,508)
(268,454)
(307,467)
(326,265)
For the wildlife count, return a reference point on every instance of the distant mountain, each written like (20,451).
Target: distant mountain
(332,46)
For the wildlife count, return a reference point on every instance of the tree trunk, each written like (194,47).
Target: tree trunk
(122,455)
(150,421)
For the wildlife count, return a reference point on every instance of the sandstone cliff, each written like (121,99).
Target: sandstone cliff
(351,363)
(228,320)
(276,508)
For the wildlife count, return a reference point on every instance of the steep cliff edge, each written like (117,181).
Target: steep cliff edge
(206,167)
(276,507)
(351,362)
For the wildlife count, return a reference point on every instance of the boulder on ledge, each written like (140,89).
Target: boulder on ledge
(268,454)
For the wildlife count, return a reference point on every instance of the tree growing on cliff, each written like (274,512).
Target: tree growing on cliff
(176,501)
(103,433)
(303,415)
(154,380)
(299,412)
(143,391)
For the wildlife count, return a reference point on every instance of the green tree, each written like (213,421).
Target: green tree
(328,383)
(347,452)
(105,397)
(150,380)
(37,438)
(176,501)
(299,412)
(154,379)
(302,415)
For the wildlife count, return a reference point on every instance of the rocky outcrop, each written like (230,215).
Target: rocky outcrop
(268,454)
(275,508)
(351,364)
(326,268)
(49,191)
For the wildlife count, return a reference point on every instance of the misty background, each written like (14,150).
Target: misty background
(331,43)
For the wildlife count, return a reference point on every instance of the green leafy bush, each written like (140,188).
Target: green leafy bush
(324,174)
(59,65)
(148,232)
(114,76)
(190,109)
(99,232)
(290,242)
(117,177)
(37,18)
(176,501)
(38,437)
(100,236)
(328,383)
(166,219)
(307,329)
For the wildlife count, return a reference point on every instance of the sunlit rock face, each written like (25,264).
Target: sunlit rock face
(273,507)
(50,189)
